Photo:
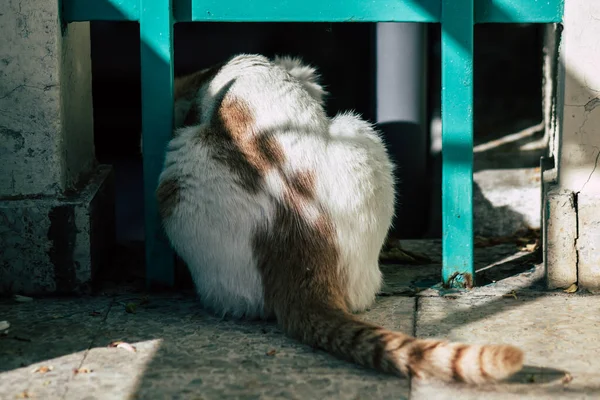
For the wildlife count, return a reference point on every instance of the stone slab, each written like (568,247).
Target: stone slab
(53,333)
(560,258)
(556,332)
(182,352)
(56,244)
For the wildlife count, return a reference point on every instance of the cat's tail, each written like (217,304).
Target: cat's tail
(342,334)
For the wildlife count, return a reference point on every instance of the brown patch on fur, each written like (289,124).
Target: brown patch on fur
(268,153)
(482,371)
(404,342)
(303,184)
(236,119)
(168,195)
(457,373)
(512,355)
(295,252)
(235,143)
(416,354)
(380,343)
(299,192)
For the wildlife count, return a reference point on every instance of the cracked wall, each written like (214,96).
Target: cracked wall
(575,230)
(44,74)
(580,56)
(56,204)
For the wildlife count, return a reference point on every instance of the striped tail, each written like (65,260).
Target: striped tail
(345,336)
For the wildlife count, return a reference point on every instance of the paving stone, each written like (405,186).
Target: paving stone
(183,352)
(54,333)
(558,334)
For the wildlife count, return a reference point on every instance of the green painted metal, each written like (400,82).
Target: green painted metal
(531,11)
(100,10)
(156,33)
(486,11)
(310,10)
(157,17)
(457,142)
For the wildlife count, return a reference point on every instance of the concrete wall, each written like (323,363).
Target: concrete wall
(51,191)
(46,134)
(572,203)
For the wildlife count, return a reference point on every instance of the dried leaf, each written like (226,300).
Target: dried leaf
(123,345)
(130,308)
(25,394)
(567,378)
(23,299)
(271,352)
(512,294)
(531,247)
(571,289)
(82,371)
(43,369)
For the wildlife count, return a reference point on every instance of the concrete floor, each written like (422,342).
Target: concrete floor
(184,353)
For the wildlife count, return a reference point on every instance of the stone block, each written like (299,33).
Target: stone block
(57,244)
(588,241)
(46,123)
(560,253)
(551,330)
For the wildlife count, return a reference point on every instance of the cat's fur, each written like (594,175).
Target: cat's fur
(279,211)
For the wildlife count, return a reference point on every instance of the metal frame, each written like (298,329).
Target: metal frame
(157,17)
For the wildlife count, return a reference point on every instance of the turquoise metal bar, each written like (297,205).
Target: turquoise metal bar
(457,142)
(311,10)
(156,33)
(530,11)
(100,10)
(486,11)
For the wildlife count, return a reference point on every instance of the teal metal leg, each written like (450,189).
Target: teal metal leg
(156,32)
(457,142)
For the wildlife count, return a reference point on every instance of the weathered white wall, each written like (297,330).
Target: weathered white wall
(56,205)
(44,74)
(580,55)
(577,187)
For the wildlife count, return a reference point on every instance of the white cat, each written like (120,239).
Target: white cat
(279,211)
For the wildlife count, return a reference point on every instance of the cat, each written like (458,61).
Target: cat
(280,212)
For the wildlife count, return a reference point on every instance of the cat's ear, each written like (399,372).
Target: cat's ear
(306,74)
(188,85)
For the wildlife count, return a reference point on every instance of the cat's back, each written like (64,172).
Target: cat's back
(266,92)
